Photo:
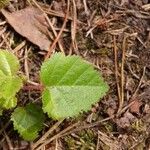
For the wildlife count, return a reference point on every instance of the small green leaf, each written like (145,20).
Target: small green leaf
(72,86)
(10,82)
(28,121)
(10,86)
(8,103)
(9,63)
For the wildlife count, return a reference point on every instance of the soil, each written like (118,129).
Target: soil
(114,35)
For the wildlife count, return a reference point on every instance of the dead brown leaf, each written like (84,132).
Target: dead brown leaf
(126,120)
(31,24)
(110,111)
(135,107)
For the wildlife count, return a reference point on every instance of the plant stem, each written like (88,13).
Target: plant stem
(33,87)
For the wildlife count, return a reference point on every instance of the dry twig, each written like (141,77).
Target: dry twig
(40,141)
(116,69)
(74,26)
(134,94)
(56,136)
(8,141)
(140,82)
(60,32)
(50,24)
(122,74)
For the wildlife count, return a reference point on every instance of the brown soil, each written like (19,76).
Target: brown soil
(114,35)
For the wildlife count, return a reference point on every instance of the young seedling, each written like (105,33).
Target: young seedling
(27,120)
(71,86)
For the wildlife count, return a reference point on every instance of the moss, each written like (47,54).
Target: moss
(3,3)
(84,140)
(139,126)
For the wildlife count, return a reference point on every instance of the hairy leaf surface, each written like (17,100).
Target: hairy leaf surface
(9,63)
(28,121)
(10,86)
(8,103)
(10,82)
(72,86)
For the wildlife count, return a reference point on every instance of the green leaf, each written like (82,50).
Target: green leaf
(8,103)
(72,86)
(10,86)
(2,77)
(28,121)
(9,63)
(10,82)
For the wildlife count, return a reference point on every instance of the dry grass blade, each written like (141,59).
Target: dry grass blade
(122,74)
(134,94)
(2,31)
(41,140)
(4,127)
(98,142)
(8,141)
(49,23)
(60,32)
(26,68)
(55,13)
(116,69)
(5,40)
(140,82)
(113,36)
(85,7)
(146,7)
(2,23)
(52,12)
(74,25)
(113,144)
(19,47)
(60,134)
(87,126)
